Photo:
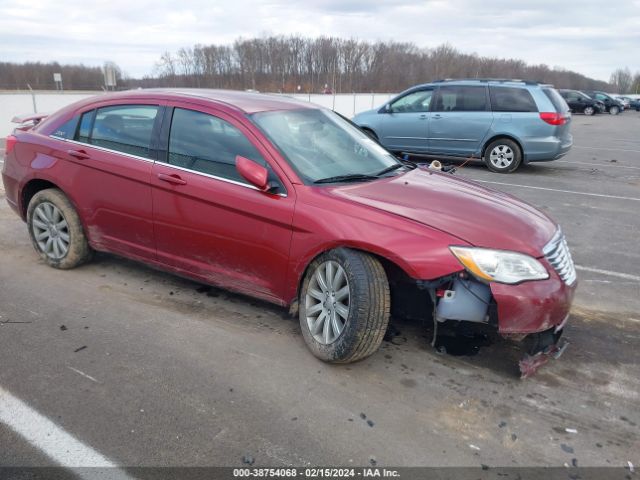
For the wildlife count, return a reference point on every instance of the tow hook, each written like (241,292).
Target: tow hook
(530,364)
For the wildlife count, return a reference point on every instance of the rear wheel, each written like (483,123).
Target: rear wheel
(344,306)
(589,111)
(56,231)
(503,156)
(614,110)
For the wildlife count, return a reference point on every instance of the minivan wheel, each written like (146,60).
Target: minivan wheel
(614,110)
(503,156)
(344,306)
(56,231)
(589,111)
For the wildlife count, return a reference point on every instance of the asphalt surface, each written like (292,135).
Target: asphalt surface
(175,373)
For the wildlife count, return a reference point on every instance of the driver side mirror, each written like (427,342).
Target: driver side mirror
(387,108)
(252,172)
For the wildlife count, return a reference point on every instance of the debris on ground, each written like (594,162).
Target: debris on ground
(566,448)
(531,363)
(571,430)
(248,460)
(474,447)
(79,349)
(63,327)
(630,465)
(370,423)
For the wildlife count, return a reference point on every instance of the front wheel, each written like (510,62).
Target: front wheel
(344,305)
(56,231)
(503,156)
(589,111)
(614,110)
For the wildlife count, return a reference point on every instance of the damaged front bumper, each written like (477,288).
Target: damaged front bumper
(535,311)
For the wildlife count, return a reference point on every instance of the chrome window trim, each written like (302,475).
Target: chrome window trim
(108,150)
(149,160)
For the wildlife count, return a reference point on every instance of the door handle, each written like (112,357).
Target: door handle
(79,154)
(175,179)
(436,116)
(423,116)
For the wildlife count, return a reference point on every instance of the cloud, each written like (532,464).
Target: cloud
(571,34)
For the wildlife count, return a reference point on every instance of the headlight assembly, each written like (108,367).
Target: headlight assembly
(499,265)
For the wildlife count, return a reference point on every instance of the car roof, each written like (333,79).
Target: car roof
(490,81)
(246,102)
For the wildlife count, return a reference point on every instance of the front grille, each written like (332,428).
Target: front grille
(558,255)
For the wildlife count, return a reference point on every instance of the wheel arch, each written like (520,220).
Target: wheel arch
(392,268)
(498,136)
(28,191)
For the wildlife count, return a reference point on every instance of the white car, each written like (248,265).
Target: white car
(623,100)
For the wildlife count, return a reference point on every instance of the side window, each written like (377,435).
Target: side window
(67,130)
(207,144)
(509,99)
(413,102)
(85,127)
(461,99)
(125,128)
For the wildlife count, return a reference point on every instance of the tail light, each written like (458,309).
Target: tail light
(9,144)
(553,118)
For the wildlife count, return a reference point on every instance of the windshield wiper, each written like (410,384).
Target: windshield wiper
(391,168)
(353,177)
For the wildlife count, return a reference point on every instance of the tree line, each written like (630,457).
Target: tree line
(298,64)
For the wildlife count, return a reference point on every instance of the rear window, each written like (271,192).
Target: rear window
(67,130)
(510,99)
(556,99)
(125,128)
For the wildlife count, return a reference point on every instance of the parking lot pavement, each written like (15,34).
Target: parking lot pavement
(146,368)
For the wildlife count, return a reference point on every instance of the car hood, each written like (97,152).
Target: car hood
(475,214)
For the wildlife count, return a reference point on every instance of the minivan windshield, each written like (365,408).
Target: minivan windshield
(323,147)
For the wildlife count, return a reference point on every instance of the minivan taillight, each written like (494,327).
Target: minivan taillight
(9,144)
(553,118)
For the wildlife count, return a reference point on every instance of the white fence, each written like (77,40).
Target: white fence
(12,103)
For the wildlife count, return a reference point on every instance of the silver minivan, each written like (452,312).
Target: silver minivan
(503,122)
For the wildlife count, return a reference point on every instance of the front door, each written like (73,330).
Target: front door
(209,222)
(405,124)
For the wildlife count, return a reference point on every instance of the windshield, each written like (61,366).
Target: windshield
(319,144)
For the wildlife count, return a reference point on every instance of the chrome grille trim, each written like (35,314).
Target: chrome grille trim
(558,255)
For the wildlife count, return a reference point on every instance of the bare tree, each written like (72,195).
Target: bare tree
(621,80)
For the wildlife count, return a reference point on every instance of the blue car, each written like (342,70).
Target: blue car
(504,122)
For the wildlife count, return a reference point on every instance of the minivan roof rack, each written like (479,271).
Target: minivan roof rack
(502,80)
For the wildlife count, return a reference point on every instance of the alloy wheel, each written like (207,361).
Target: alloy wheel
(50,230)
(501,156)
(327,302)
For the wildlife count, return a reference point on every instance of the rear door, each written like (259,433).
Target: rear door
(112,153)
(405,125)
(460,119)
(209,222)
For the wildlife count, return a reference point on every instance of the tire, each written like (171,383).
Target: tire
(56,231)
(614,110)
(364,312)
(589,111)
(503,156)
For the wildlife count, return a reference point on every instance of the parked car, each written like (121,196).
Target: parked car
(613,106)
(504,122)
(290,203)
(580,103)
(623,100)
(635,104)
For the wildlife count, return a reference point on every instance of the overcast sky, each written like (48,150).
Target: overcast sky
(593,37)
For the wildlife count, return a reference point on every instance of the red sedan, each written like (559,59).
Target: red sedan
(290,203)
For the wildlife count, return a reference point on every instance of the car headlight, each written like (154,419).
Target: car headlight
(499,265)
